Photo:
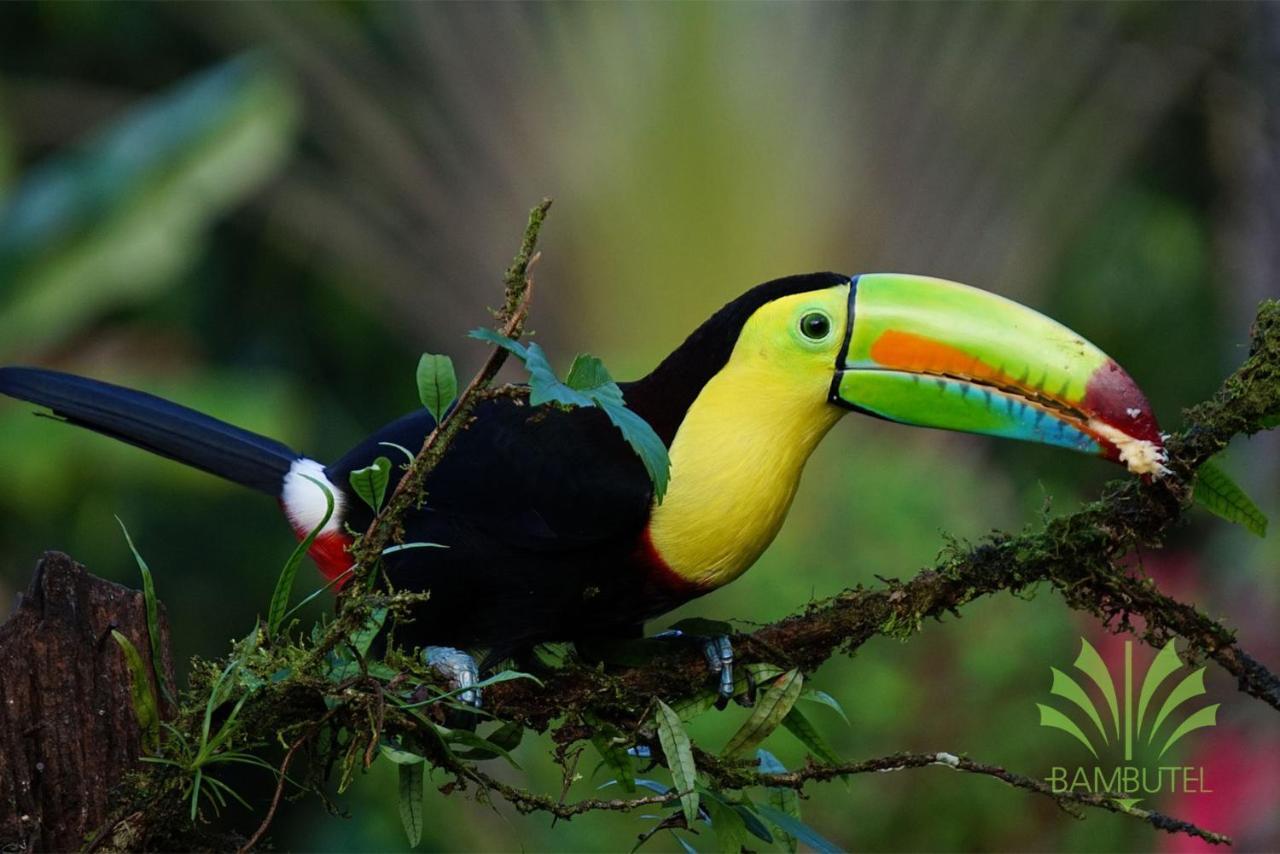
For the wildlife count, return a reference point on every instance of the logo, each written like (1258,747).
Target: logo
(1127,742)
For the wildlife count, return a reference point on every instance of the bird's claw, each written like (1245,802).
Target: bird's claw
(719,654)
(718,651)
(459,671)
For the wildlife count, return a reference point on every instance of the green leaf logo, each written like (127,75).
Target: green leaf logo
(1118,717)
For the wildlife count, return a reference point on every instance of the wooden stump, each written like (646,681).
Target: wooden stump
(68,732)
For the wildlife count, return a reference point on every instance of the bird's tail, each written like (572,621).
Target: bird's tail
(156,425)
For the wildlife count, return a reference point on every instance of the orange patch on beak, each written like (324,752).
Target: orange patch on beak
(906,351)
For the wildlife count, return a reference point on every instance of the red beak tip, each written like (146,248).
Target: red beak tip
(1124,422)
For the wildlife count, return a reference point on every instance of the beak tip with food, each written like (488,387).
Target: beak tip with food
(1123,420)
(940,354)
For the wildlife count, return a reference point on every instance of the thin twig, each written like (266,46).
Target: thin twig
(283,778)
(739,779)
(510,318)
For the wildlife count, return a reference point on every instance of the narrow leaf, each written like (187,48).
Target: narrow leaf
(783,799)
(689,708)
(370,483)
(399,756)
(730,829)
(279,609)
(679,752)
(404,547)
(769,712)
(798,725)
(798,829)
(825,699)
(499,340)
(747,812)
(477,744)
(401,448)
(614,755)
(153,615)
(411,777)
(437,384)
(141,694)
(1216,492)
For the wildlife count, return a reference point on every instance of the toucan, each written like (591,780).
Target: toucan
(547,519)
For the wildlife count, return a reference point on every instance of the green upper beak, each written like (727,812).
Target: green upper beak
(935,353)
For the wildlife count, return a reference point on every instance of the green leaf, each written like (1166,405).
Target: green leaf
(689,708)
(508,736)
(398,755)
(730,829)
(363,639)
(476,743)
(141,693)
(679,752)
(404,547)
(553,655)
(284,583)
(612,748)
(1271,421)
(801,831)
(545,387)
(504,676)
(747,812)
(825,699)
(799,726)
(589,384)
(589,375)
(409,457)
(1218,493)
(370,483)
(437,384)
(499,340)
(769,712)
(152,606)
(647,445)
(411,785)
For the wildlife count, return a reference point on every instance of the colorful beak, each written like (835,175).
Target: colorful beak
(935,353)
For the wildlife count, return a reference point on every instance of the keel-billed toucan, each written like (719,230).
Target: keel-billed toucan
(549,519)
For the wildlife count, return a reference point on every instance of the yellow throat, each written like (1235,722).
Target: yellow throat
(737,457)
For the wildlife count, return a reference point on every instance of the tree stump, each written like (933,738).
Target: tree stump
(68,732)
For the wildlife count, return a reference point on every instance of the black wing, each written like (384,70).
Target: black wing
(533,478)
(540,510)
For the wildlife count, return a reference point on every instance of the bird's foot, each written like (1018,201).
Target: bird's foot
(459,670)
(718,651)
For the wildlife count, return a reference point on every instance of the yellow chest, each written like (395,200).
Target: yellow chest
(736,462)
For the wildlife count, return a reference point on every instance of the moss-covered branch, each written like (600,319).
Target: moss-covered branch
(335,709)
(1083,555)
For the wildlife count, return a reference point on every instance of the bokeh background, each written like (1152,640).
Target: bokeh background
(268,212)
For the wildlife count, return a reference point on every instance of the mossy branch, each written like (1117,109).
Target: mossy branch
(1082,555)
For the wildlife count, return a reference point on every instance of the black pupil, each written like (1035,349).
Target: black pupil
(815,325)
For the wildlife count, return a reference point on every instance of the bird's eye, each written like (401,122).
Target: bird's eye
(815,326)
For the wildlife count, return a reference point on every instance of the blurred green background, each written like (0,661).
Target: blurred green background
(267,212)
